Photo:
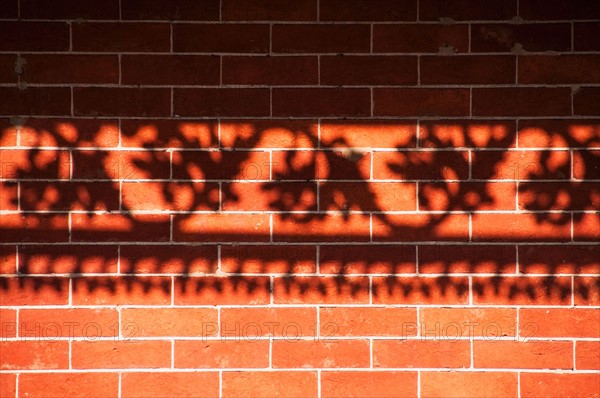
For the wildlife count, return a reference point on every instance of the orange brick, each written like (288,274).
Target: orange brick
(321,290)
(269,134)
(163,196)
(421,165)
(121,291)
(68,384)
(76,322)
(560,385)
(467,133)
(511,290)
(522,227)
(121,354)
(421,227)
(320,354)
(421,354)
(555,133)
(468,384)
(268,259)
(325,228)
(230,290)
(62,259)
(368,134)
(366,259)
(374,384)
(363,196)
(252,322)
(280,196)
(159,322)
(471,259)
(467,322)
(367,321)
(270,384)
(168,133)
(34,291)
(8,323)
(34,227)
(221,227)
(8,259)
(559,322)
(162,384)
(587,290)
(8,385)
(179,259)
(114,227)
(521,165)
(240,353)
(411,290)
(587,355)
(463,196)
(531,355)
(34,355)
(587,228)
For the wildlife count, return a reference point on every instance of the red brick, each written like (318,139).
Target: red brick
(321,102)
(270,384)
(585,165)
(34,164)
(585,36)
(452,323)
(63,259)
(10,9)
(468,69)
(555,133)
(34,227)
(324,228)
(215,38)
(421,227)
(555,101)
(559,322)
(68,9)
(8,383)
(267,10)
(120,354)
(587,355)
(161,196)
(121,290)
(529,37)
(9,192)
(587,290)
(320,354)
(170,69)
(321,290)
(7,72)
(268,259)
(69,132)
(521,165)
(231,290)
(69,323)
(159,322)
(34,36)
(169,133)
(374,384)
(467,133)
(467,196)
(175,10)
(221,102)
(223,165)
(121,37)
(269,134)
(168,259)
(561,259)
(339,164)
(368,134)
(420,38)
(34,291)
(368,10)
(531,355)
(111,101)
(587,228)
(117,165)
(469,384)
(563,385)
(444,259)
(412,290)
(8,259)
(322,38)
(34,355)
(68,384)
(52,101)
(514,290)
(585,100)
(368,70)
(240,353)
(559,196)
(367,321)
(556,9)
(384,196)
(561,69)
(464,10)
(420,165)
(420,354)
(271,322)
(221,227)
(420,102)
(8,323)
(115,227)
(365,259)
(287,196)
(280,70)
(69,196)
(161,384)
(8,131)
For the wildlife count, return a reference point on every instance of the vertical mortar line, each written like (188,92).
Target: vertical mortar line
(418,384)
(417,258)
(171,37)
(470,156)
(371,353)
(120,68)
(417,204)
(17,269)
(120,195)
(17,385)
(171,227)
(120,12)
(471,290)
(170,165)
(19,195)
(517,334)
(70,36)
(370,289)
(319,70)
(370,227)
(171,93)
(271,289)
(574,354)
(172,290)
(516,70)
(220,207)
(471,101)
(572,36)
(372,101)
(472,348)
(573,100)
(518,384)
(572,227)
(120,384)
(318,10)
(271,227)
(118,259)
(470,227)
(72,101)
(70,292)
(517,260)
(319,383)
(372,38)
(271,101)
(69,221)
(572,291)
(271,38)
(318,259)
(172,353)
(318,325)
(469,29)
(418,134)
(418,71)
(70,341)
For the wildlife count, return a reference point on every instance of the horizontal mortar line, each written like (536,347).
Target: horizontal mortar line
(240,243)
(309,369)
(281,305)
(282,181)
(309,337)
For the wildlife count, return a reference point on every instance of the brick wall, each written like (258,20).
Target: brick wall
(300,198)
